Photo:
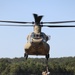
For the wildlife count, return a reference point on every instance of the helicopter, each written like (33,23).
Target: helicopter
(37,40)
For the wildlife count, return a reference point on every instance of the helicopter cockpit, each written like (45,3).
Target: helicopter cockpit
(37,37)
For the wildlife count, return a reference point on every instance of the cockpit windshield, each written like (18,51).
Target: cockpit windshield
(37,36)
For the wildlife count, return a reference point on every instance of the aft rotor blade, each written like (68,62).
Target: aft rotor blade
(58,22)
(16,22)
(16,25)
(57,26)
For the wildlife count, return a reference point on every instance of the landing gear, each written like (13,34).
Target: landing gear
(26,55)
(47,56)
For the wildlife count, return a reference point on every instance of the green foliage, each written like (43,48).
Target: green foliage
(35,66)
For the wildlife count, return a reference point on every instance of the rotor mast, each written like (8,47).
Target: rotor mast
(37,26)
(37,19)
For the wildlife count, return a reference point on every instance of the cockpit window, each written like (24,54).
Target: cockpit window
(37,36)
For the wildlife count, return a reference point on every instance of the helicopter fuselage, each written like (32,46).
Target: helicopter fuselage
(37,45)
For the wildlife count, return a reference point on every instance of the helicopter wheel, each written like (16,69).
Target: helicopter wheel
(47,56)
(26,55)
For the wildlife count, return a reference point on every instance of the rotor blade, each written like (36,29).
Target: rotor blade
(16,25)
(16,22)
(58,22)
(57,26)
(51,26)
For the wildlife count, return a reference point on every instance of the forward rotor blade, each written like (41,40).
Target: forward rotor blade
(16,25)
(16,22)
(59,26)
(59,22)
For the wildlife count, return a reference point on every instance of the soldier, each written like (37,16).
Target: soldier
(45,73)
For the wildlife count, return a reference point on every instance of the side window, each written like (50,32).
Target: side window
(29,38)
(32,35)
(43,36)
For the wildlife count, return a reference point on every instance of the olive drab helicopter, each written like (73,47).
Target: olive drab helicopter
(37,40)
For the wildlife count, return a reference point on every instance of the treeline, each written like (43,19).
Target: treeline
(35,66)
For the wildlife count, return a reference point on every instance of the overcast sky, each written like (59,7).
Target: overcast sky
(13,39)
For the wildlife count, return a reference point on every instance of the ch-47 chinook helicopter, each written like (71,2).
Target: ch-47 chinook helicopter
(37,40)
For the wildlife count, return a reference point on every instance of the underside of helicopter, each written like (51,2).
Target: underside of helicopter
(37,48)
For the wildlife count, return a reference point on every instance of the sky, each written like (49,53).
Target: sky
(13,39)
